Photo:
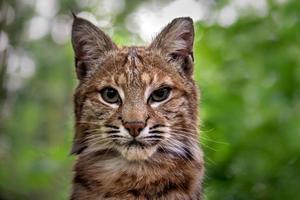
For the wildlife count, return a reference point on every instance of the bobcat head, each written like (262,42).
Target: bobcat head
(137,101)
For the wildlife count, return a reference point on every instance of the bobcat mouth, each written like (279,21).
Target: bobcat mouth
(135,143)
(137,151)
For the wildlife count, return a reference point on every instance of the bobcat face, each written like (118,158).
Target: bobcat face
(137,101)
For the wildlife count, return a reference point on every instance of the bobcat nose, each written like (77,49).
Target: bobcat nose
(134,128)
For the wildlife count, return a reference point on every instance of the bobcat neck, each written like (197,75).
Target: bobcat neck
(113,177)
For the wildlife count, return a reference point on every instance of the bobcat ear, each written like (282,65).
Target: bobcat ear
(176,42)
(89,44)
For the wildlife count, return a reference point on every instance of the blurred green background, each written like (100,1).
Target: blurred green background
(247,65)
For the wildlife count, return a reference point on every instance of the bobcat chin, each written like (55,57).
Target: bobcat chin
(136,111)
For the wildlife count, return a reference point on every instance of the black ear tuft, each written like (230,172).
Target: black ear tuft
(74,15)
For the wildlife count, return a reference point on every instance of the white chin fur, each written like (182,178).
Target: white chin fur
(136,153)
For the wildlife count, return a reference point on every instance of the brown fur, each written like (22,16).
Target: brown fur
(169,163)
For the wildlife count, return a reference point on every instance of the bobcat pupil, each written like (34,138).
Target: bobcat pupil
(160,94)
(110,95)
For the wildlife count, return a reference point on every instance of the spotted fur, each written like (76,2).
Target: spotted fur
(164,162)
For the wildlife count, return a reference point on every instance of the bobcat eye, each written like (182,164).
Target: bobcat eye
(110,95)
(160,94)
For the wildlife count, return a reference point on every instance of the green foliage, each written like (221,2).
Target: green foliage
(249,76)
(250,108)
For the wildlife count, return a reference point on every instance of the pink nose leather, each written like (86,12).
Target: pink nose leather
(134,128)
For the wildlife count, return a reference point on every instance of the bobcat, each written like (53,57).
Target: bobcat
(136,111)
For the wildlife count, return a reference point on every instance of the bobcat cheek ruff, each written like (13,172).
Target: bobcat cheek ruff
(136,112)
